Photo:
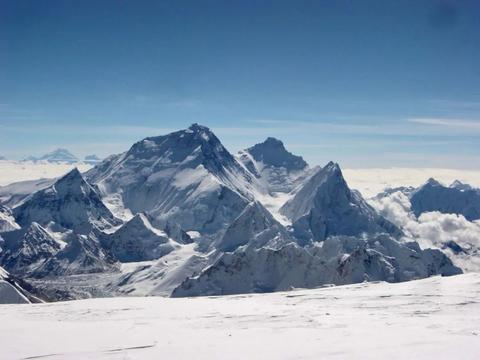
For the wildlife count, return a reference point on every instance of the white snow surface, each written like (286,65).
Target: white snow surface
(435,318)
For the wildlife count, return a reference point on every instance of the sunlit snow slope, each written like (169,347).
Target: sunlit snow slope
(434,318)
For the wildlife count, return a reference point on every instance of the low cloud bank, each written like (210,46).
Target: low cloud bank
(452,233)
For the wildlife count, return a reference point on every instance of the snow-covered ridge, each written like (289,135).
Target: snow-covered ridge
(10,291)
(324,206)
(458,198)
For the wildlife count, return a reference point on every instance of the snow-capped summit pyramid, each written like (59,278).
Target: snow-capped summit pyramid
(457,184)
(70,203)
(325,206)
(433,196)
(185,177)
(272,152)
(278,169)
(59,156)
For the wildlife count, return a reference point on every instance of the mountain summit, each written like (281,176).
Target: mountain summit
(57,156)
(70,202)
(185,177)
(325,206)
(456,199)
(272,152)
(277,169)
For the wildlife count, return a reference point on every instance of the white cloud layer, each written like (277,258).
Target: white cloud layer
(435,230)
(453,123)
(370,182)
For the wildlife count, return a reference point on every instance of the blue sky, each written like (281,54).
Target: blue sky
(365,83)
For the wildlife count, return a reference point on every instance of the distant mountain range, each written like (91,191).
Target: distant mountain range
(63,156)
(180,215)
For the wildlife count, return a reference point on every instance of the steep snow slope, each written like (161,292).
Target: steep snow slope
(10,293)
(14,194)
(434,318)
(457,199)
(325,206)
(338,260)
(160,277)
(7,221)
(186,177)
(70,202)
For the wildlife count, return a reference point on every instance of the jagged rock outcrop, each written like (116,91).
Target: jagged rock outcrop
(25,250)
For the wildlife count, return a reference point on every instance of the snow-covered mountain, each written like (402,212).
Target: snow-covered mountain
(180,213)
(70,203)
(82,254)
(186,177)
(438,219)
(324,206)
(27,249)
(277,169)
(138,240)
(56,156)
(456,199)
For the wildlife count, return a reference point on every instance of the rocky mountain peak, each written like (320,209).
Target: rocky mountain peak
(272,152)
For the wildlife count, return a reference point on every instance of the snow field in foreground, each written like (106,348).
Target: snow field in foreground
(434,318)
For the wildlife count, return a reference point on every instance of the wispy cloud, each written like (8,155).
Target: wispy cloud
(452,123)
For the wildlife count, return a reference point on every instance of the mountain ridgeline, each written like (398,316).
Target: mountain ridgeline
(190,218)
